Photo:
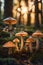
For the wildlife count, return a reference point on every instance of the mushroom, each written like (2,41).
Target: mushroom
(37,34)
(27,46)
(21,34)
(16,40)
(9,45)
(10,21)
(29,43)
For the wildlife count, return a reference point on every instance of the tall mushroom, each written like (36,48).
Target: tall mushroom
(16,40)
(10,21)
(21,34)
(37,34)
(29,43)
(9,45)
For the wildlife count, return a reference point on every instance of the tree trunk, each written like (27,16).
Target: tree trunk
(0,10)
(8,8)
(36,12)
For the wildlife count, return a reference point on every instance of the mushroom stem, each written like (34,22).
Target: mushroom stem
(10,51)
(30,47)
(21,43)
(26,48)
(10,27)
(10,34)
(17,47)
(37,44)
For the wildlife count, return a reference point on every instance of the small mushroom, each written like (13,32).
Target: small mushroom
(9,45)
(16,40)
(27,46)
(37,34)
(10,21)
(29,43)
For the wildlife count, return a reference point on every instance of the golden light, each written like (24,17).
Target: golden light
(30,4)
(15,6)
(22,3)
(32,18)
(39,6)
(24,15)
(33,8)
(38,0)
(39,15)
(16,1)
(14,12)
(19,10)
(25,19)
(23,10)
(18,15)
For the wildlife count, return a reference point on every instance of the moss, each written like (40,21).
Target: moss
(38,55)
(4,34)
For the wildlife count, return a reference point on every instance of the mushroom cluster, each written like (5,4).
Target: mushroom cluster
(36,35)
